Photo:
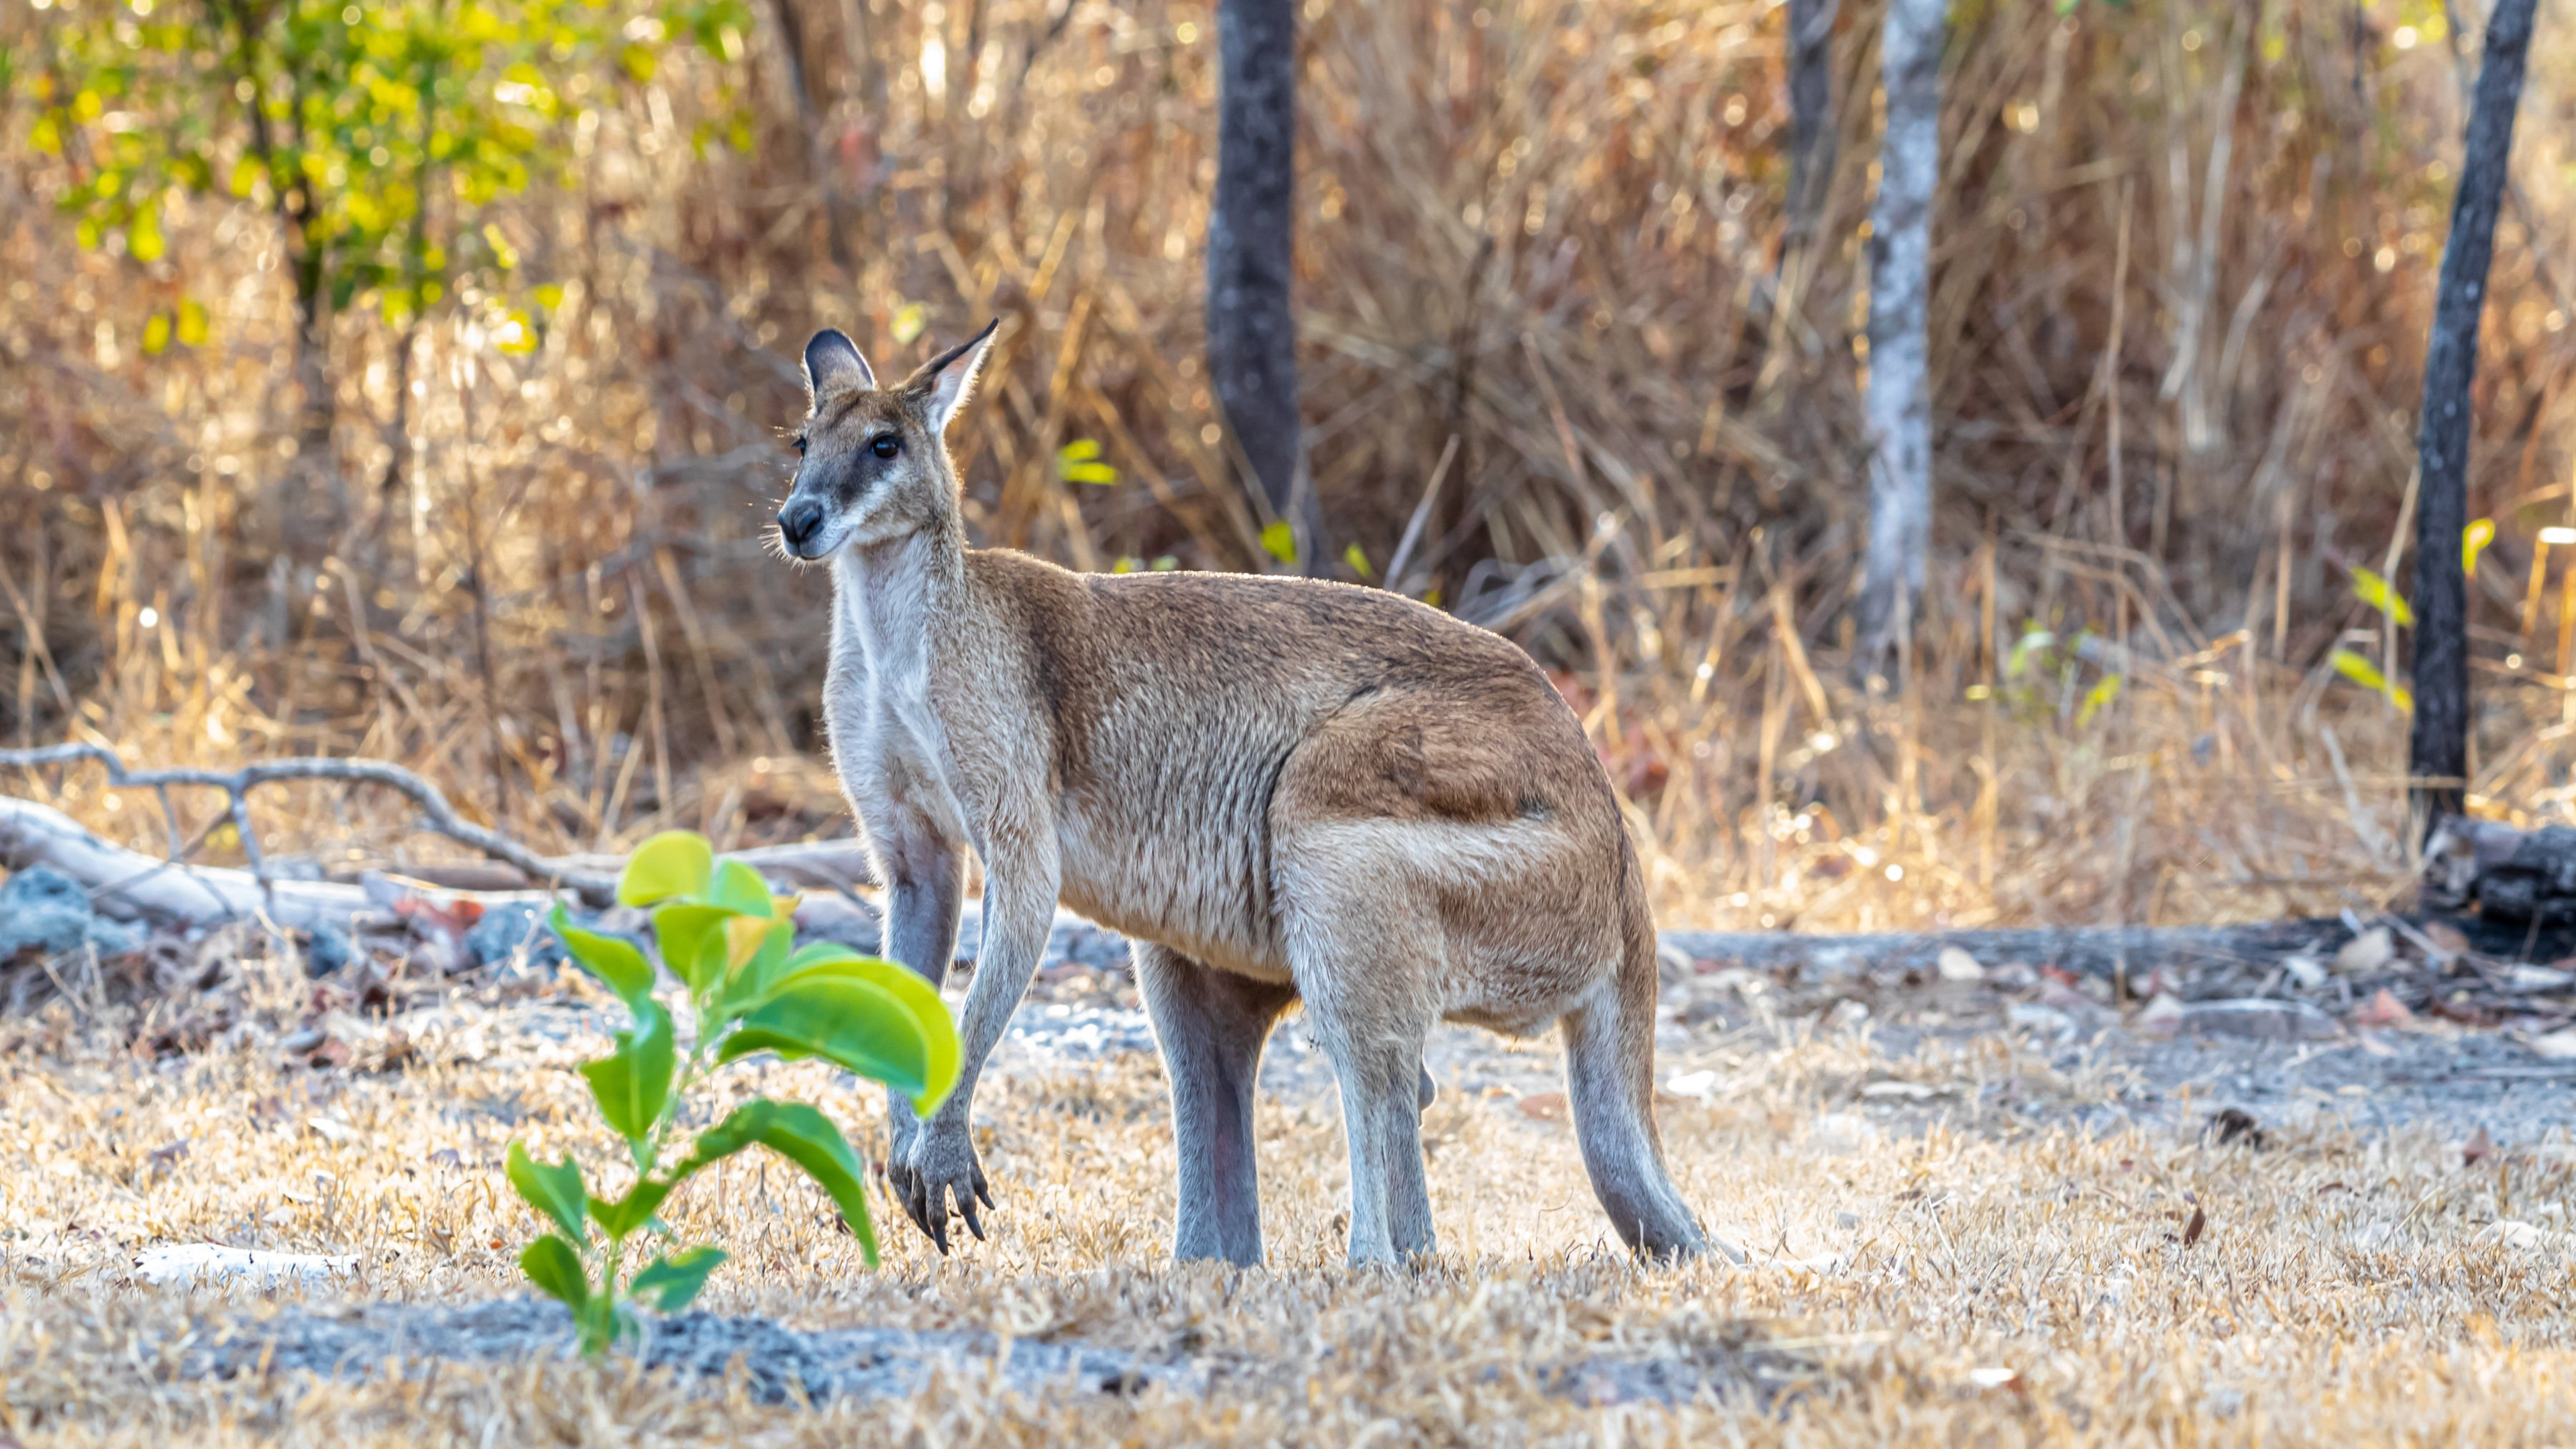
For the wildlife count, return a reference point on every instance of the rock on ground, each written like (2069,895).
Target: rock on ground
(45,913)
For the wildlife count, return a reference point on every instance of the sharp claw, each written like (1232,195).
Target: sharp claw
(966,1210)
(982,1191)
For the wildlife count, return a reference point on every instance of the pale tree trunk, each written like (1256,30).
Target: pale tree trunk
(1251,333)
(1897,408)
(2438,753)
(1811,116)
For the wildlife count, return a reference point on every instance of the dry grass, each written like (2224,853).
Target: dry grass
(2340,1292)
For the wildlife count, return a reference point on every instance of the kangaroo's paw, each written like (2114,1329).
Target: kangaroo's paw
(941,1163)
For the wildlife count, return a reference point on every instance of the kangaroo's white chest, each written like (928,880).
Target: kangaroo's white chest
(887,739)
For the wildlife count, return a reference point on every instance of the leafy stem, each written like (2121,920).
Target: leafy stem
(749,989)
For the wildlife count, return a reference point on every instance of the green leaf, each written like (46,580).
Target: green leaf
(693,940)
(143,239)
(555,1191)
(803,1136)
(849,1023)
(2103,692)
(909,319)
(1079,462)
(635,1209)
(1281,542)
(615,962)
(2366,674)
(829,960)
(2373,590)
(673,1282)
(634,1082)
(2032,641)
(754,978)
(1357,557)
(504,255)
(555,1267)
(517,334)
(192,322)
(156,334)
(673,863)
(859,1015)
(2473,541)
(740,888)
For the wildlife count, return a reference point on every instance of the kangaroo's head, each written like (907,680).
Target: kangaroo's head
(875,460)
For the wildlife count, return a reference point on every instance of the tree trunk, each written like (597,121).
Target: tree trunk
(313,506)
(1811,116)
(1252,335)
(2438,754)
(1897,409)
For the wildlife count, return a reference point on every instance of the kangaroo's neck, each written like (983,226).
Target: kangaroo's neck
(891,594)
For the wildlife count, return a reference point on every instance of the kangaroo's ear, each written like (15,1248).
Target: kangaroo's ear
(944,381)
(833,364)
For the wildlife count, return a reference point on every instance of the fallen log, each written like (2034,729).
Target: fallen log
(128,885)
(2109,952)
(807,865)
(2510,894)
(2513,877)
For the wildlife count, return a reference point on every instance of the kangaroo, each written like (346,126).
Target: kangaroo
(1280,790)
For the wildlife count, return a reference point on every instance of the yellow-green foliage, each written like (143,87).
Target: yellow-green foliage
(750,989)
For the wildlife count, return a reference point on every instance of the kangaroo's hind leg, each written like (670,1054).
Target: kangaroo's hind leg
(1363,958)
(1211,1025)
(1377,1063)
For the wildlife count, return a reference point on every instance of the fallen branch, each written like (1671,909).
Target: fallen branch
(824,865)
(833,865)
(2109,952)
(132,886)
(2510,893)
(437,815)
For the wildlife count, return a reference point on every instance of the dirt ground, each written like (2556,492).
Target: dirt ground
(2008,1211)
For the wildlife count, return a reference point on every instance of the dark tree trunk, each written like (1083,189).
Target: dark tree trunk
(2438,756)
(1811,115)
(1252,335)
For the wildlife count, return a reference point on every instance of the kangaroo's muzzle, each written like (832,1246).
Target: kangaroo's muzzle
(799,522)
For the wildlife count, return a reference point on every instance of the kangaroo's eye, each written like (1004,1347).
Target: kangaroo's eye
(800,445)
(885,445)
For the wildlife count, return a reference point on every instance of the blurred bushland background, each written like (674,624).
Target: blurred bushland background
(412,380)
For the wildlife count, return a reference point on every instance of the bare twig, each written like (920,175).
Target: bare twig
(437,815)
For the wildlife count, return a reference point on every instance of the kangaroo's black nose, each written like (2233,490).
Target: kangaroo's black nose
(798,520)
